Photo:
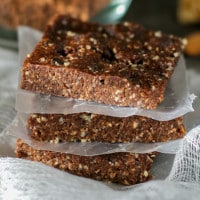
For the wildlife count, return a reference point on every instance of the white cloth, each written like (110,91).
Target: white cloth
(23,180)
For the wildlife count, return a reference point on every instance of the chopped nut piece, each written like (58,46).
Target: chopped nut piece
(176,54)
(132,35)
(66,63)
(38,120)
(114,50)
(158,34)
(44,119)
(146,174)
(153,87)
(80,166)
(88,47)
(156,57)
(42,59)
(57,63)
(126,23)
(83,140)
(135,125)
(70,33)
(27,73)
(50,44)
(83,134)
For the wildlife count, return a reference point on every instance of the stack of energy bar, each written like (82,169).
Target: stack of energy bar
(122,65)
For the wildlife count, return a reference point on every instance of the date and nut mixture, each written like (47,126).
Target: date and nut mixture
(123,64)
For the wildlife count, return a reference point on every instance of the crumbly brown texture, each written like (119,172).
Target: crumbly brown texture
(121,168)
(124,64)
(36,13)
(87,127)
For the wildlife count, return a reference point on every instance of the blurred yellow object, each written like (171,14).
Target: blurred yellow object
(193,46)
(188,11)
